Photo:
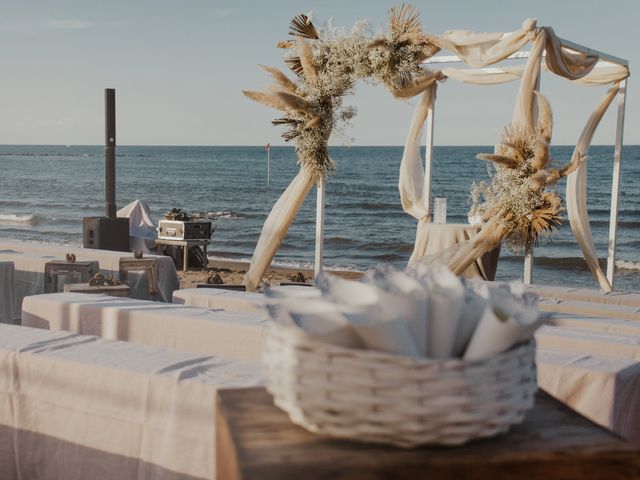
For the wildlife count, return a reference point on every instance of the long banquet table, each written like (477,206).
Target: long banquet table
(79,407)
(109,261)
(593,365)
(198,330)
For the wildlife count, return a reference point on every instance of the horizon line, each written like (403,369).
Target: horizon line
(264,145)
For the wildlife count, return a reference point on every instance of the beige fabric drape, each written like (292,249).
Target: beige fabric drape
(482,49)
(606,73)
(525,111)
(276,226)
(411,179)
(577,192)
(567,64)
(492,76)
(573,67)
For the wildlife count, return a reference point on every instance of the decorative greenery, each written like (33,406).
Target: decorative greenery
(327,63)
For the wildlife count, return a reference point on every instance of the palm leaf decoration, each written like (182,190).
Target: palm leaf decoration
(404,19)
(295,65)
(301,26)
(544,221)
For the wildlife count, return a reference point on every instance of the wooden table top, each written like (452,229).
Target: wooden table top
(256,440)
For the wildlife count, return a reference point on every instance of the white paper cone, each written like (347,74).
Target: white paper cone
(376,316)
(407,298)
(470,315)
(494,335)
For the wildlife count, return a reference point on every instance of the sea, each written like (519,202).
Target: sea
(46,190)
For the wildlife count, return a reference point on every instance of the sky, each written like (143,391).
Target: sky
(178,67)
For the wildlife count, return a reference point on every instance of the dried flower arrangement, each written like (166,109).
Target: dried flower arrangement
(517,192)
(517,204)
(328,63)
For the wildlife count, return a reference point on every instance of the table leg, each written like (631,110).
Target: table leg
(185,257)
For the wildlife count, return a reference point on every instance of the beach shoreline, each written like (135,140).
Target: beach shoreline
(233,272)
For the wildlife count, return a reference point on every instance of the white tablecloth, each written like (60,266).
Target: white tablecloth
(441,242)
(79,407)
(7,292)
(168,280)
(629,299)
(29,273)
(212,332)
(589,309)
(593,365)
(220,298)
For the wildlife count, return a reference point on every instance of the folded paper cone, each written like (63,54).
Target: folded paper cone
(494,335)
(470,315)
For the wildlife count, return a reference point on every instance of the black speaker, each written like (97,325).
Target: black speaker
(106,233)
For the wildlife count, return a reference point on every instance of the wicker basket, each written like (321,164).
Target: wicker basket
(377,397)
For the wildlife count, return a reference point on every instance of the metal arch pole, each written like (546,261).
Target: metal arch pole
(527,273)
(428,155)
(615,183)
(317,267)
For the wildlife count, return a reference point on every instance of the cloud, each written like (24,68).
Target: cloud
(69,24)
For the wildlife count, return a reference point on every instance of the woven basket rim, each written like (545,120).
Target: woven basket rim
(301,337)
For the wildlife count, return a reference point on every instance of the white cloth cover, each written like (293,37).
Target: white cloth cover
(28,275)
(276,226)
(79,407)
(435,240)
(218,298)
(630,299)
(29,280)
(226,333)
(590,309)
(142,230)
(593,365)
(7,292)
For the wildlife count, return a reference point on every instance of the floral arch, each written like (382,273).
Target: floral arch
(519,204)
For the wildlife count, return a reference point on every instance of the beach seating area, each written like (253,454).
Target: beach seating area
(398,355)
(123,384)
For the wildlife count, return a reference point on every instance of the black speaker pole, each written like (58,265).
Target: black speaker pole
(110,152)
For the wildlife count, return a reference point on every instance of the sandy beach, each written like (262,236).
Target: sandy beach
(232,272)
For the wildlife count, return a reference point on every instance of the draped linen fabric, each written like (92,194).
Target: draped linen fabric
(276,226)
(482,49)
(411,178)
(577,192)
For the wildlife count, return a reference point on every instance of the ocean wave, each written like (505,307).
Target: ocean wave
(19,218)
(627,265)
(14,203)
(572,263)
(226,215)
